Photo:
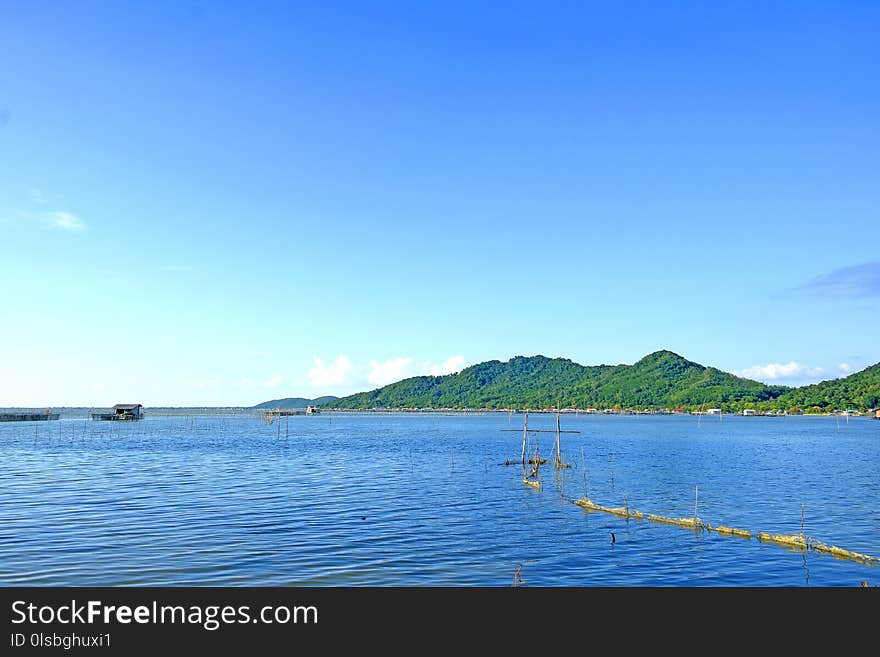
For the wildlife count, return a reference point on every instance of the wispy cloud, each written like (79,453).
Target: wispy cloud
(393,369)
(273,382)
(858,281)
(65,221)
(451,365)
(397,369)
(780,371)
(330,374)
(325,375)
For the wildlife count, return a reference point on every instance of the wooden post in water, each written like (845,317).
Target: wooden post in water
(525,434)
(612,470)
(584,465)
(558,430)
(696,500)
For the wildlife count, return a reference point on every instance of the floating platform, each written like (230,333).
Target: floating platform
(29,417)
(533,484)
(115,417)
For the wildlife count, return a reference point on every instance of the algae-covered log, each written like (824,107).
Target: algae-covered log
(533,484)
(840,553)
(687,523)
(729,531)
(796,541)
(621,511)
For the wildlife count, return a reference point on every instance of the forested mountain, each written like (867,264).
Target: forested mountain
(660,380)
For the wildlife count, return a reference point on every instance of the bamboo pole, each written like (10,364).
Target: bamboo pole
(558,446)
(525,434)
(584,465)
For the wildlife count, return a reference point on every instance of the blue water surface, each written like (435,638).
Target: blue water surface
(405,499)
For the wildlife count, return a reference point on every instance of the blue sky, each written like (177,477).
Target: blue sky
(204,204)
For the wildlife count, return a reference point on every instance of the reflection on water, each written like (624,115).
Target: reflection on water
(418,500)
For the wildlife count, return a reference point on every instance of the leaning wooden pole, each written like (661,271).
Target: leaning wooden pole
(525,434)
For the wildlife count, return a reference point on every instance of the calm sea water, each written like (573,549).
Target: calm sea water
(422,500)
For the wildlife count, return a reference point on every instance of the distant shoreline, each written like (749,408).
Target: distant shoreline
(83,412)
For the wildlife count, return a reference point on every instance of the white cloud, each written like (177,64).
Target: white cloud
(451,365)
(246,382)
(65,221)
(393,369)
(777,371)
(358,376)
(844,368)
(330,374)
(397,369)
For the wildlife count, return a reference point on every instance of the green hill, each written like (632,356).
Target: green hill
(857,391)
(296,402)
(660,380)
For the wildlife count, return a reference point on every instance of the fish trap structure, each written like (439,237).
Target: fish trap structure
(558,461)
(28,416)
(121,413)
(270,416)
(798,542)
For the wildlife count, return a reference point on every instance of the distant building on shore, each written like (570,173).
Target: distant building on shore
(713,411)
(749,411)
